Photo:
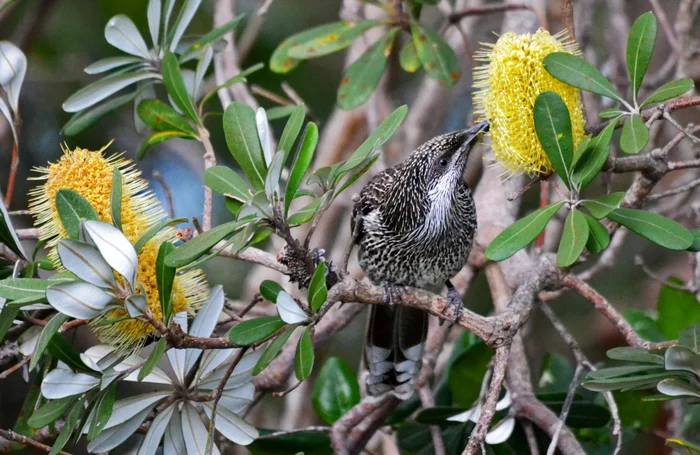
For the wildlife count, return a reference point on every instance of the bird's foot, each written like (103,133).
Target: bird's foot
(389,290)
(454,300)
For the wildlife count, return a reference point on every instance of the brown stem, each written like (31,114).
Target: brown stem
(12,436)
(209,162)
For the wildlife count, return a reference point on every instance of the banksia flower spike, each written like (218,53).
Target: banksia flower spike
(508,83)
(90,174)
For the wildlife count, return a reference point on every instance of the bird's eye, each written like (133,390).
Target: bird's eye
(443,162)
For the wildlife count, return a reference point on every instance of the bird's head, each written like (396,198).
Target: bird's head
(442,160)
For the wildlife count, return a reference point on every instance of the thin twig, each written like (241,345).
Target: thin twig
(501,8)
(680,189)
(489,408)
(566,407)
(15,367)
(660,14)
(12,436)
(209,162)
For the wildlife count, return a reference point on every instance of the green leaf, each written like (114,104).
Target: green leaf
(159,138)
(115,205)
(8,236)
(589,165)
(336,390)
(47,333)
(573,238)
(601,207)
(291,130)
(610,113)
(165,277)
(243,143)
(519,234)
(305,155)
(252,331)
(224,180)
(304,361)
(690,338)
(307,442)
(677,310)
(627,382)
(437,57)
(362,77)
(51,411)
(582,414)
(373,143)
(273,350)
(7,317)
(60,348)
(695,246)
(210,37)
(635,135)
(631,354)
(467,372)
(682,447)
(103,412)
(280,112)
(269,290)
(615,372)
(598,238)
(84,119)
(280,61)
(195,248)
(645,325)
(408,58)
(357,174)
(318,292)
(670,90)
(154,230)
(553,126)
(582,150)
(305,214)
(162,117)
(72,208)
(240,77)
(153,358)
(175,85)
(22,426)
(327,39)
(69,425)
(575,71)
(640,46)
(656,228)
(23,288)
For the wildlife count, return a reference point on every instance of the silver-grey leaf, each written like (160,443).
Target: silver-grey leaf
(153,15)
(177,357)
(151,441)
(675,388)
(86,262)
(194,432)
(111,438)
(231,426)
(205,321)
(173,441)
(136,305)
(202,67)
(289,310)
(682,358)
(272,179)
(145,91)
(99,90)
(78,299)
(13,67)
(8,115)
(115,248)
(110,63)
(121,33)
(129,407)
(186,14)
(61,383)
(237,399)
(264,134)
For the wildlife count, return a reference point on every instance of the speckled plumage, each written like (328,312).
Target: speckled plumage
(414,224)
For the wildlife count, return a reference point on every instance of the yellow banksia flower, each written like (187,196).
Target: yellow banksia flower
(90,174)
(508,83)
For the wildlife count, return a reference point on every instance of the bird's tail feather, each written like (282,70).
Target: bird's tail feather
(393,350)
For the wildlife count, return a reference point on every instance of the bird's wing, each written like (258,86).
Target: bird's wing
(371,197)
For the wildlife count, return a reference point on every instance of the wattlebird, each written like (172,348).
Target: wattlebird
(414,224)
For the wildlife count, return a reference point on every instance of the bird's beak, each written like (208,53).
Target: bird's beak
(472,137)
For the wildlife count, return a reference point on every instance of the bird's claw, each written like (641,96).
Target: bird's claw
(454,300)
(389,290)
